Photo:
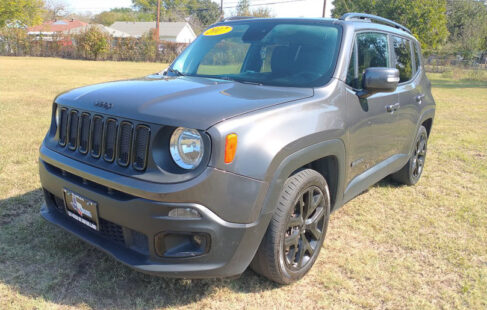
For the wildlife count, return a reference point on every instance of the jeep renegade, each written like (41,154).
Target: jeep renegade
(237,153)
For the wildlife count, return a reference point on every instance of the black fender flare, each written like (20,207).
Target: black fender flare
(299,158)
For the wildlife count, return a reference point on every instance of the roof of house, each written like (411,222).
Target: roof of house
(166,29)
(60,25)
(113,32)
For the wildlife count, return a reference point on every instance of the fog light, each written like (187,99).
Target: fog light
(181,244)
(184,213)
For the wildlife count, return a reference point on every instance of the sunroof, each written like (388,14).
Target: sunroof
(60,22)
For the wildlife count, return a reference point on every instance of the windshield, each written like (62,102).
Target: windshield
(269,52)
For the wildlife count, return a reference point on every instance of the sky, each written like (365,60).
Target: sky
(279,8)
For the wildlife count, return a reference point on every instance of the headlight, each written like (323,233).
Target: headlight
(186,146)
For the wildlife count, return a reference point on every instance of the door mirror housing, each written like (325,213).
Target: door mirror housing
(378,80)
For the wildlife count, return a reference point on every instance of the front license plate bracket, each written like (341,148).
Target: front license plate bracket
(81,209)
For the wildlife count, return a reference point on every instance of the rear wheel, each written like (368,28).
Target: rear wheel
(295,235)
(411,172)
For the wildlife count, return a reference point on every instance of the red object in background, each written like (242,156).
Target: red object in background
(57,26)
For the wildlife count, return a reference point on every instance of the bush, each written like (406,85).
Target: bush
(475,75)
(92,44)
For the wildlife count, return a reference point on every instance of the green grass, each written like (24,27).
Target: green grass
(394,247)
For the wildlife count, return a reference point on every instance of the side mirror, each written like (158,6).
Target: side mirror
(378,80)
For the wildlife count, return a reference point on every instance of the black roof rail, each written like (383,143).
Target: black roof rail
(370,17)
(236,18)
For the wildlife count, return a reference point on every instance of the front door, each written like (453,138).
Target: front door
(371,124)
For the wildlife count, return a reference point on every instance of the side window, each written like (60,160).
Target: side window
(372,51)
(418,56)
(403,61)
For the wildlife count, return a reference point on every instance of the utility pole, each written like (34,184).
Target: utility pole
(221,8)
(156,34)
(324,8)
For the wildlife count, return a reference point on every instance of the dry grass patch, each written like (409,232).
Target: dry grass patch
(393,247)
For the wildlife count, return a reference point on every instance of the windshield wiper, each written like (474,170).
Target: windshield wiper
(227,78)
(175,71)
(249,82)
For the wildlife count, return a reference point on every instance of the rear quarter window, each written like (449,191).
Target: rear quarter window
(417,56)
(402,58)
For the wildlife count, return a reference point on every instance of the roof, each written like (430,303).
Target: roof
(113,32)
(166,29)
(60,25)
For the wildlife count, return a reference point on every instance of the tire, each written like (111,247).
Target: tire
(411,172)
(296,232)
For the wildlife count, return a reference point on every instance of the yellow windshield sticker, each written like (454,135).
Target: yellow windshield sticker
(216,31)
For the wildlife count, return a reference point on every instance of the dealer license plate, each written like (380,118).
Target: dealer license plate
(81,209)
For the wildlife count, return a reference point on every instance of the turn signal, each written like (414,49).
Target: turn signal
(230,148)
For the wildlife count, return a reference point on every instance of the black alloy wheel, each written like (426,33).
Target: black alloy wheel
(297,229)
(305,228)
(412,171)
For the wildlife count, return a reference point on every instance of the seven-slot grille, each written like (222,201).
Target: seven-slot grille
(104,137)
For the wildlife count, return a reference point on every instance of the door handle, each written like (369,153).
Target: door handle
(393,107)
(419,98)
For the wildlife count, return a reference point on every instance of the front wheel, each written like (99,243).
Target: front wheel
(412,171)
(295,235)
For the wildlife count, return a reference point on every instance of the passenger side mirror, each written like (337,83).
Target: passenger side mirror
(378,80)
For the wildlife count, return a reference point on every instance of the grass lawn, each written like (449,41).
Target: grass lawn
(393,247)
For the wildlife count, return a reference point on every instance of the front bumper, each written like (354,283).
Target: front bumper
(130,223)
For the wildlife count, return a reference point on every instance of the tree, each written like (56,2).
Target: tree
(262,12)
(425,18)
(22,12)
(467,24)
(206,11)
(55,9)
(93,42)
(243,8)
(122,14)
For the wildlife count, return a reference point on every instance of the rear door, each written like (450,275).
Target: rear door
(370,124)
(409,91)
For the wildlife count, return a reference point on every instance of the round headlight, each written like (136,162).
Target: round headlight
(186,146)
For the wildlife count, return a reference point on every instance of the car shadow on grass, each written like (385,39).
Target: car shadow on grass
(41,261)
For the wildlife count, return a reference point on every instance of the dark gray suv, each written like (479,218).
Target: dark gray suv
(237,153)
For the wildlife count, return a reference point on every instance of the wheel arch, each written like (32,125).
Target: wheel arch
(327,158)
(428,123)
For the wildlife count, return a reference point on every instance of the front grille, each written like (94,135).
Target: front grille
(142,135)
(96,136)
(84,133)
(125,143)
(73,130)
(63,125)
(111,231)
(104,137)
(110,136)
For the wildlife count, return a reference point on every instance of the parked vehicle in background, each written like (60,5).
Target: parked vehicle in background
(237,154)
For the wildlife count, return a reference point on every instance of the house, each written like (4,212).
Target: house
(179,32)
(112,32)
(56,27)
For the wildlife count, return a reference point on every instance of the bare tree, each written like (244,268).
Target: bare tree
(55,9)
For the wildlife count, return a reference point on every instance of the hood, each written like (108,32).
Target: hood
(181,101)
